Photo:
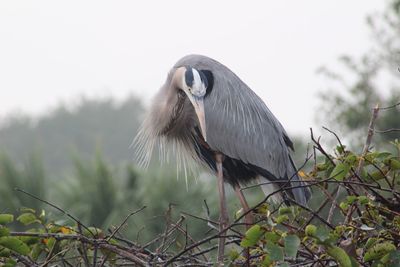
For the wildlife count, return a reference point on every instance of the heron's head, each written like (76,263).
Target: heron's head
(194,84)
(165,120)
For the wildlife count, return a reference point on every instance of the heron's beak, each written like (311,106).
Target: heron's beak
(198,105)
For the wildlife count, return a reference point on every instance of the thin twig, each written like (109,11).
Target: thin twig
(56,207)
(390,107)
(388,130)
(367,145)
(101,243)
(123,222)
(24,260)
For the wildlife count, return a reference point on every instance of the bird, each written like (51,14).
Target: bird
(208,113)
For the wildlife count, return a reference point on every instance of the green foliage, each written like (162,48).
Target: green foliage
(340,256)
(367,233)
(6,218)
(292,243)
(14,244)
(252,236)
(365,229)
(95,189)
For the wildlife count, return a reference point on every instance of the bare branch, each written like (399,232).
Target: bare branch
(124,221)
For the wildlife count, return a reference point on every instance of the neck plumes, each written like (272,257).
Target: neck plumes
(162,119)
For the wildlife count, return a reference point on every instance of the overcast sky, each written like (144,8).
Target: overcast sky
(52,51)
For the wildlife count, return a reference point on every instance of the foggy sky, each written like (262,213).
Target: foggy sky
(52,51)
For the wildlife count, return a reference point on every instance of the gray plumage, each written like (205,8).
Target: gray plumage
(238,124)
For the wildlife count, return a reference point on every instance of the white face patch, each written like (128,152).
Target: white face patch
(198,88)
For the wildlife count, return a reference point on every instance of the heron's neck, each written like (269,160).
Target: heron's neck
(162,110)
(175,113)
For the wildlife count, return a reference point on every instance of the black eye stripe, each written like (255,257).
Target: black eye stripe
(208,80)
(203,79)
(189,76)
(206,77)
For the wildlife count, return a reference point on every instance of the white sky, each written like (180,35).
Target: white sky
(57,50)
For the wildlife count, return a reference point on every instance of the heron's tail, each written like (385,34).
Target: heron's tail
(299,189)
(291,188)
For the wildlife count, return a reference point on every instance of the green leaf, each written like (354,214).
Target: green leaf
(50,242)
(377,175)
(382,155)
(233,254)
(272,236)
(340,171)
(6,218)
(42,214)
(340,149)
(370,156)
(282,218)
(266,261)
(252,236)
(24,210)
(36,251)
(344,205)
(14,244)
(363,200)
(322,234)
(394,164)
(275,252)
(351,159)
(310,230)
(351,199)
(339,230)
(10,263)
(5,252)
(340,256)
(379,250)
(29,240)
(371,241)
(4,231)
(92,232)
(27,218)
(285,210)
(322,167)
(292,243)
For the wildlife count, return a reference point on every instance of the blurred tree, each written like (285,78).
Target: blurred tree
(103,196)
(91,193)
(376,71)
(165,197)
(29,176)
(74,130)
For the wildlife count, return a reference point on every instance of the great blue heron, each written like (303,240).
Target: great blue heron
(206,110)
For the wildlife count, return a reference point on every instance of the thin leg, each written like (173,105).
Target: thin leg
(223,219)
(248,218)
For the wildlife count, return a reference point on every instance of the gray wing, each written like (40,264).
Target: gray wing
(238,122)
(240,125)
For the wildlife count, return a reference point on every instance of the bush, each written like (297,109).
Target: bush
(361,192)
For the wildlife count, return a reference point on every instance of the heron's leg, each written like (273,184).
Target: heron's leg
(223,219)
(248,218)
